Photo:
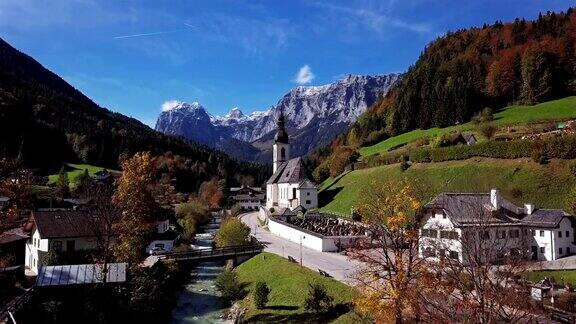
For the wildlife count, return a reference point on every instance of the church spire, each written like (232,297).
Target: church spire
(281,135)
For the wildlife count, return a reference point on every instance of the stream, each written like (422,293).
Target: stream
(200,301)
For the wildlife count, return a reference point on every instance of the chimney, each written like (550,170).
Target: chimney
(495,198)
(529,209)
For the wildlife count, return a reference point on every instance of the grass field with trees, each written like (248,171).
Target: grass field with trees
(75,171)
(520,180)
(289,285)
(556,110)
(559,276)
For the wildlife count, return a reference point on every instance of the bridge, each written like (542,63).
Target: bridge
(229,252)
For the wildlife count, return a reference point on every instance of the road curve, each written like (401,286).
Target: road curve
(335,264)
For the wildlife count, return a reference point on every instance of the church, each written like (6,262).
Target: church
(289,185)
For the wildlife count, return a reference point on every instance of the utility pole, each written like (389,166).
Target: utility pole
(300,251)
(301,236)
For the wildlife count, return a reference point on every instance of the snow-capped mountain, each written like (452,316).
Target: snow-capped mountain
(314,115)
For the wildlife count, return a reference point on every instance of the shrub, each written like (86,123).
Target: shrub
(566,301)
(572,168)
(538,154)
(272,210)
(235,210)
(229,286)
(488,130)
(232,232)
(190,215)
(318,299)
(484,116)
(261,293)
(516,192)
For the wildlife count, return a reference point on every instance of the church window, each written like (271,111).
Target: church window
(293,193)
(282,153)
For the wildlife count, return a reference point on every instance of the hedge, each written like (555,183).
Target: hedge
(563,147)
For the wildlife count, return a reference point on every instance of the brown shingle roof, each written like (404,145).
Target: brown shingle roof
(65,223)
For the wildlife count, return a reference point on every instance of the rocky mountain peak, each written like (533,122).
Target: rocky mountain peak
(314,115)
(235,113)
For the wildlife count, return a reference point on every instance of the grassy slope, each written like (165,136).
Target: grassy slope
(544,185)
(289,286)
(560,276)
(552,110)
(75,172)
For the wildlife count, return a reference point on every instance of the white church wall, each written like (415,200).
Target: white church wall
(311,240)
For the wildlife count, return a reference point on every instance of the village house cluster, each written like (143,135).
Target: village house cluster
(456,223)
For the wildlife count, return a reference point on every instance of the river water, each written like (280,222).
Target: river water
(200,301)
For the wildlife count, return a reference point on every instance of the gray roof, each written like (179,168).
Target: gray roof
(248,197)
(4,199)
(291,171)
(545,218)
(64,275)
(469,137)
(474,208)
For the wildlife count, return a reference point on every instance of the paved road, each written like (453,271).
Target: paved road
(337,265)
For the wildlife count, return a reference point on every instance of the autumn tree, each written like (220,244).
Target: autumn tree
(232,232)
(190,215)
(133,197)
(15,182)
(537,73)
(212,192)
(106,215)
(503,79)
(478,282)
(392,278)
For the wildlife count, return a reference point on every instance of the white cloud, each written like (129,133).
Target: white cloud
(375,17)
(304,75)
(170,104)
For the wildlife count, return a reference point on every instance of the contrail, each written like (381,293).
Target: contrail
(155,33)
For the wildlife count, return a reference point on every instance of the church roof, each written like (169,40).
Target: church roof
(291,171)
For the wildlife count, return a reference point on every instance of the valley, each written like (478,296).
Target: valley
(403,169)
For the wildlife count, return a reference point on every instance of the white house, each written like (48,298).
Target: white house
(249,198)
(454,222)
(60,231)
(289,185)
(163,239)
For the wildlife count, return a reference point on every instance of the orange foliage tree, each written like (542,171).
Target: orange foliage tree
(392,279)
(212,192)
(133,197)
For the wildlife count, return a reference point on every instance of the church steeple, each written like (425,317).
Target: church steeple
(281,148)
(281,135)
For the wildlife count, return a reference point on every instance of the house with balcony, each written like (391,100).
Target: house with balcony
(457,225)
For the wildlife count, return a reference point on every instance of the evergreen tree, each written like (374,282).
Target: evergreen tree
(63,184)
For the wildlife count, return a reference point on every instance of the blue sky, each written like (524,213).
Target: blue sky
(132,56)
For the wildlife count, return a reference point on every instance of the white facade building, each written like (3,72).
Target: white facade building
(248,198)
(59,231)
(163,240)
(457,223)
(289,186)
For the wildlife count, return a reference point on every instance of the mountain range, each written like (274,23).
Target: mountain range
(314,116)
(44,122)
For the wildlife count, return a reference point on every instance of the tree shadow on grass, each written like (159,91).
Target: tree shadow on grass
(326,196)
(306,317)
(282,307)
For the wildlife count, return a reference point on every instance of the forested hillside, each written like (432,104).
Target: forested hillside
(44,121)
(465,71)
